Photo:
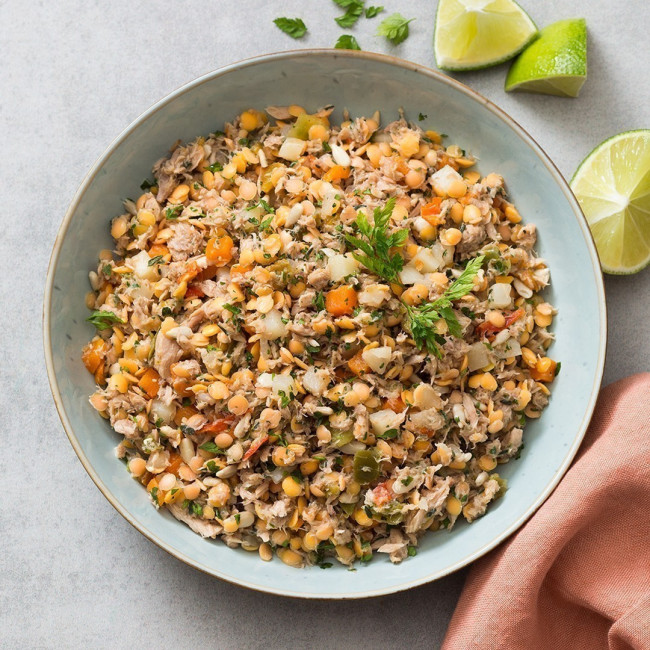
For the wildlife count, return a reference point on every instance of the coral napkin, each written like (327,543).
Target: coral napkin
(577,575)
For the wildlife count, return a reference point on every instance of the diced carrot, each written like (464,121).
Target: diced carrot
(336,173)
(180,386)
(150,382)
(255,446)
(175,461)
(158,249)
(432,208)
(357,365)
(219,250)
(93,354)
(341,301)
(395,404)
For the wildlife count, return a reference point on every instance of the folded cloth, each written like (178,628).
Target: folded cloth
(577,575)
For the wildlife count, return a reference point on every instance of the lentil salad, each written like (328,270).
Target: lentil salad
(320,340)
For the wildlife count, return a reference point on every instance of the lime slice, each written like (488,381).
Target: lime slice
(555,64)
(472,34)
(612,186)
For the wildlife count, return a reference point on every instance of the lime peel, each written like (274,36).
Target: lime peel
(612,185)
(553,64)
(475,34)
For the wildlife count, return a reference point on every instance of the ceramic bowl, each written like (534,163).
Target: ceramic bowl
(360,82)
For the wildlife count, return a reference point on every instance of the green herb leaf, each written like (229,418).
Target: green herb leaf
(147,184)
(174,212)
(347,42)
(395,28)
(158,259)
(319,301)
(389,434)
(421,319)
(422,116)
(211,447)
(294,27)
(371,12)
(104,320)
(215,167)
(375,243)
(353,11)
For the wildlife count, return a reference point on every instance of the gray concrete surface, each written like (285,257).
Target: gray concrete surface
(73,573)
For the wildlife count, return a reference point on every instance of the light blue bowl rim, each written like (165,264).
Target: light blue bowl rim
(401,63)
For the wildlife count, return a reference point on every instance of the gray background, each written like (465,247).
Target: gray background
(73,573)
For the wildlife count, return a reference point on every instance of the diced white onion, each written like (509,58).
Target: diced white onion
(315,381)
(340,155)
(374,295)
(499,295)
(292,149)
(431,259)
(140,265)
(377,358)
(477,356)
(522,289)
(510,349)
(382,421)
(341,266)
(410,275)
(274,327)
(443,178)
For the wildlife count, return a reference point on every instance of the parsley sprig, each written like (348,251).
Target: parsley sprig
(422,319)
(375,242)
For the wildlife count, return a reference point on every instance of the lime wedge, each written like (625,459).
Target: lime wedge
(554,64)
(472,34)
(612,186)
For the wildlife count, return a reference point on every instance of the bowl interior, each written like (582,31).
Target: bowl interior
(360,83)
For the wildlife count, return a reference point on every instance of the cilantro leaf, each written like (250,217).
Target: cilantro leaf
(395,28)
(347,42)
(104,320)
(294,27)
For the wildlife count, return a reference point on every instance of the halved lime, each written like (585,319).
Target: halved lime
(472,34)
(555,63)
(612,186)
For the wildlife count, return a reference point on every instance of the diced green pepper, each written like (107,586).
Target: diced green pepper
(366,466)
(304,122)
(342,438)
